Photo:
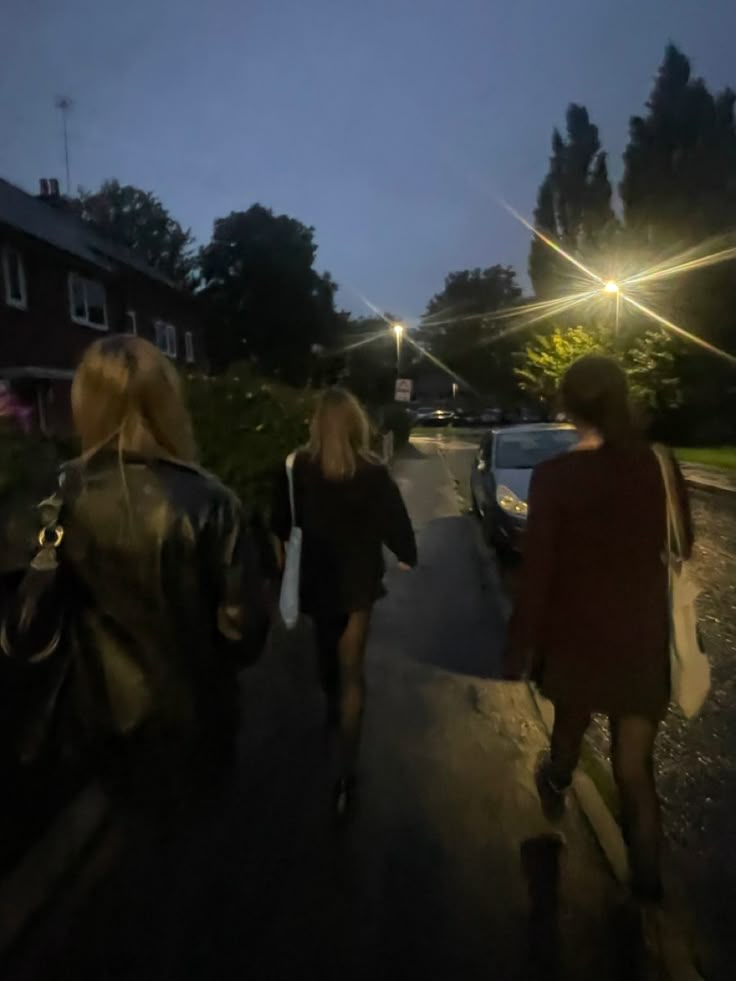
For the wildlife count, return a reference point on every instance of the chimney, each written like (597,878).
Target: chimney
(43,188)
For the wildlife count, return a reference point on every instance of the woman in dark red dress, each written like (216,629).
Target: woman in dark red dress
(591,619)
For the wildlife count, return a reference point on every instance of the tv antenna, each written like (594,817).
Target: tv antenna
(65,105)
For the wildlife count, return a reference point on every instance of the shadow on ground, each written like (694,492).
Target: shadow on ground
(447,611)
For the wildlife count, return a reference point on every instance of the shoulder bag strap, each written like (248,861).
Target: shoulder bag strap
(674,536)
(290,478)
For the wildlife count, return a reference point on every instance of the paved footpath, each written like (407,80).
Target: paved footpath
(448,870)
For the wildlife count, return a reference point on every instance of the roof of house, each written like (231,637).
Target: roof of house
(42,220)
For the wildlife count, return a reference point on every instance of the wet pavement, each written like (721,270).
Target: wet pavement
(448,870)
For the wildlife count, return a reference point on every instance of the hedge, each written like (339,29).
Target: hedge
(245,428)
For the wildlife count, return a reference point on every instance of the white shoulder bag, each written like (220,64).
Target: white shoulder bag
(289,599)
(689,667)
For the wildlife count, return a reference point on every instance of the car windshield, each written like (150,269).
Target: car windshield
(523,451)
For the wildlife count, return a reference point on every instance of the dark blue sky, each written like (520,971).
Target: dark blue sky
(387,124)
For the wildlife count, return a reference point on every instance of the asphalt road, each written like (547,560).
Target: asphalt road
(448,870)
(696,761)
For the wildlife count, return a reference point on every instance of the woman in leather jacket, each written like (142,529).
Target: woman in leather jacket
(163,600)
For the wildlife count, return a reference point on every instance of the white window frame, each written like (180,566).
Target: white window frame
(166,338)
(85,321)
(131,319)
(12,301)
(189,346)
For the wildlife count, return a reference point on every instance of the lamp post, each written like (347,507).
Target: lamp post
(613,289)
(398,330)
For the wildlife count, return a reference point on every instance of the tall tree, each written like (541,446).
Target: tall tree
(573,205)
(679,183)
(459,328)
(138,220)
(679,193)
(269,304)
(679,196)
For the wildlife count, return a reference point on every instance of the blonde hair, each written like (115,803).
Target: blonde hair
(126,396)
(340,435)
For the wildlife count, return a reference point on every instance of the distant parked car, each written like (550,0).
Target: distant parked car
(433,417)
(502,472)
(529,415)
(466,417)
(491,417)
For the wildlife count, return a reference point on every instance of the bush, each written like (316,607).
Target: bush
(245,429)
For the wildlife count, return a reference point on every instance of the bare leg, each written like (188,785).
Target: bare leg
(351,657)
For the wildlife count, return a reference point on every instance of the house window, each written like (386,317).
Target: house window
(87,302)
(131,322)
(189,346)
(166,338)
(14,277)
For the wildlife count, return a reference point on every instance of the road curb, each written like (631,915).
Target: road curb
(604,825)
(708,488)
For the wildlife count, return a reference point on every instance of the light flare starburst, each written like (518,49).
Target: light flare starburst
(622,291)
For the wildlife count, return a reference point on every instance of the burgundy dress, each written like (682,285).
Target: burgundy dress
(591,614)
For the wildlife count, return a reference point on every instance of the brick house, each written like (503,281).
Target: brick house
(63,285)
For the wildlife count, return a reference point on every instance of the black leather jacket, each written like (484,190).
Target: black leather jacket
(164,598)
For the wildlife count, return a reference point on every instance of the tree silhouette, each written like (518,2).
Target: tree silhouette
(573,205)
(138,220)
(268,303)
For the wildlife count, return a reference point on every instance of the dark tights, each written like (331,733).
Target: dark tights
(341,642)
(632,754)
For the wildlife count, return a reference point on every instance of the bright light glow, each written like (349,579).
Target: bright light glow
(552,244)
(682,264)
(398,330)
(674,268)
(664,322)
(510,502)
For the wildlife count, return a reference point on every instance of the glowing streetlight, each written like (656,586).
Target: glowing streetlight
(398,330)
(611,287)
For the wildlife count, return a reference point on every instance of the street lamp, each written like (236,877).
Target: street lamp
(611,287)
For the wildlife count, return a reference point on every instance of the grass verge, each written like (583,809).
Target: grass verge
(709,456)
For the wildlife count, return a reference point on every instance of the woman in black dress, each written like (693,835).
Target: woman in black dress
(348,508)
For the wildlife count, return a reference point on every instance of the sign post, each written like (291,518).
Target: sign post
(404,389)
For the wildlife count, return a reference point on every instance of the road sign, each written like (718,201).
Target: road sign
(404,388)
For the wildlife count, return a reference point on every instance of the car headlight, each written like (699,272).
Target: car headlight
(510,503)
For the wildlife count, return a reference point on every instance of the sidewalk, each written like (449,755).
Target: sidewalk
(448,870)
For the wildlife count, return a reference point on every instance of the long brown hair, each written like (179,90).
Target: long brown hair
(126,396)
(595,392)
(340,434)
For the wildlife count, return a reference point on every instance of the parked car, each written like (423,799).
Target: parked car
(502,472)
(433,417)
